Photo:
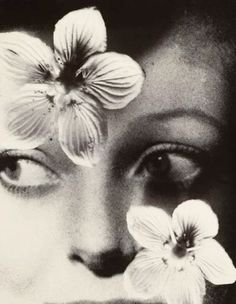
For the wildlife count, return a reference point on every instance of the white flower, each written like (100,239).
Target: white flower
(178,254)
(65,91)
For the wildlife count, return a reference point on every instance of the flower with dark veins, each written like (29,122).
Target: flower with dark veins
(177,254)
(65,91)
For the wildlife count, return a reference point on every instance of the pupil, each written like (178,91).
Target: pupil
(157,165)
(13,170)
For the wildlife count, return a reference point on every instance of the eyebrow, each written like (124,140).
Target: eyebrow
(190,113)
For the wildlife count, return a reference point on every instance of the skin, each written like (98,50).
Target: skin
(55,242)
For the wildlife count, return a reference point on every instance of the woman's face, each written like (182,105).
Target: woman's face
(63,235)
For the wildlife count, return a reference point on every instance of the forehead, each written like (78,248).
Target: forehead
(171,83)
(180,101)
(176,82)
(177,76)
(186,66)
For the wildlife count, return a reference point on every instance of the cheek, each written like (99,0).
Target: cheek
(147,192)
(29,237)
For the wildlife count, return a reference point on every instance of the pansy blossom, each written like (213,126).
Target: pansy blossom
(177,253)
(66,90)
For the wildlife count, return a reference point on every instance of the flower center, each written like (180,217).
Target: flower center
(71,78)
(178,253)
(179,250)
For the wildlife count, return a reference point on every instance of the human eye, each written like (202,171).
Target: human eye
(170,164)
(26,173)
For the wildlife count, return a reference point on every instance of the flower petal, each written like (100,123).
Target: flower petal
(196,219)
(24,59)
(215,263)
(149,277)
(29,117)
(149,226)
(187,286)
(82,129)
(114,79)
(79,34)
(146,276)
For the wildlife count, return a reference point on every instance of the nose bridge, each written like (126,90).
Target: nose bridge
(95,223)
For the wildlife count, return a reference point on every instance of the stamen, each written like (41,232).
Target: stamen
(172,235)
(191,249)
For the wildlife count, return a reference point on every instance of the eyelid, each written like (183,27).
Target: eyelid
(37,156)
(168,148)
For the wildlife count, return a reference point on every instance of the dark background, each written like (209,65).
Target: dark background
(118,13)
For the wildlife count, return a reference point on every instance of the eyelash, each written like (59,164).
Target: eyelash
(30,190)
(197,156)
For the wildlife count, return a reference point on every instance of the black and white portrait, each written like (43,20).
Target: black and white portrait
(117,152)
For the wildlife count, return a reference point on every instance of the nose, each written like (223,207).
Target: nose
(103,264)
(101,241)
